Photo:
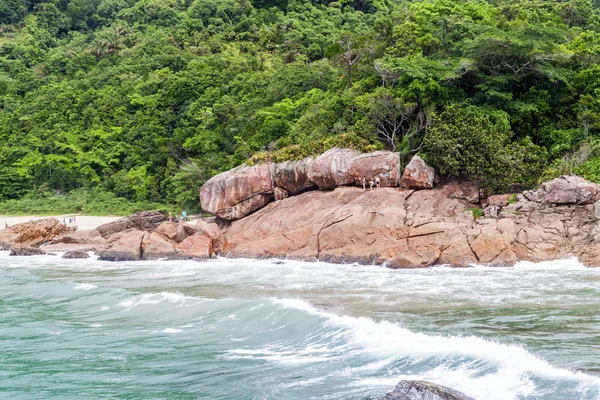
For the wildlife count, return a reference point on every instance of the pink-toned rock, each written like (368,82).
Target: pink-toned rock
(238,192)
(197,246)
(20,250)
(280,194)
(144,221)
(292,176)
(34,233)
(468,191)
(124,246)
(331,169)
(565,190)
(211,229)
(380,164)
(498,200)
(417,175)
(155,246)
(173,231)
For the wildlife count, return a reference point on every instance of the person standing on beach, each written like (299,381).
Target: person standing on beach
(363,180)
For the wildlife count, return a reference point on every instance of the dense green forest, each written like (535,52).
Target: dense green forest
(144,100)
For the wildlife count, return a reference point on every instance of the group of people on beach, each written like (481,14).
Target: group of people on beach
(376,183)
(70,218)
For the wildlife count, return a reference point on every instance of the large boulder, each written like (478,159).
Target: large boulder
(292,176)
(155,246)
(380,164)
(565,190)
(418,175)
(332,168)
(89,237)
(238,192)
(210,228)
(422,390)
(34,233)
(196,246)
(144,221)
(173,231)
(124,246)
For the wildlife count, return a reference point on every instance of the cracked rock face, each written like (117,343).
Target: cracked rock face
(405,228)
(238,192)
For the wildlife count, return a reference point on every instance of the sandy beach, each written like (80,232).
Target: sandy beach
(82,222)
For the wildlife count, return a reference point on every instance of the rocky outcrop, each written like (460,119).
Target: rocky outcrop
(124,246)
(196,246)
(406,228)
(76,254)
(155,246)
(384,165)
(34,233)
(210,229)
(292,176)
(422,390)
(417,175)
(236,193)
(173,231)
(468,191)
(26,251)
(565,190)
(144,221)
(498,200)
(92,237)
(332,168)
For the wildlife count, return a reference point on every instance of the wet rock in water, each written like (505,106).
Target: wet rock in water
(418,175)
(124,246)
(564,190)
(34,233)
(76,254)
(155,247)
(384,165)
(5,246)
(196,246)
(26,251)
(238,192)
(173,231)
(210,228)
(422,390)
(331,169)
(292,176)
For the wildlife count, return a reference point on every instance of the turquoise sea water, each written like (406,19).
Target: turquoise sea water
(247,329)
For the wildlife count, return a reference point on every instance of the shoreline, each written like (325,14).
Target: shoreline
(83,222)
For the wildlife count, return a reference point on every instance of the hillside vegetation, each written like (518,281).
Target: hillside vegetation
(143,100)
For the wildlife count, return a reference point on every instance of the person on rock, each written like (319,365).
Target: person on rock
(378,183)
(363,180)
(371,183)
(170,216)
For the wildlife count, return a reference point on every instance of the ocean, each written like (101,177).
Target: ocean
(267,329)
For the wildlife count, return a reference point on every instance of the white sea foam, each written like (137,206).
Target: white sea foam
(172,330)
(155,298)
(512,367)
(84,286)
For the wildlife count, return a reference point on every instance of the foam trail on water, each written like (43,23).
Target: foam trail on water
(481,368)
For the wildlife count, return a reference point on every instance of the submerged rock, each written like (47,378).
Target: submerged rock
(26,251)
(238,192)
(75,254)
(422,390)
(418,175)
